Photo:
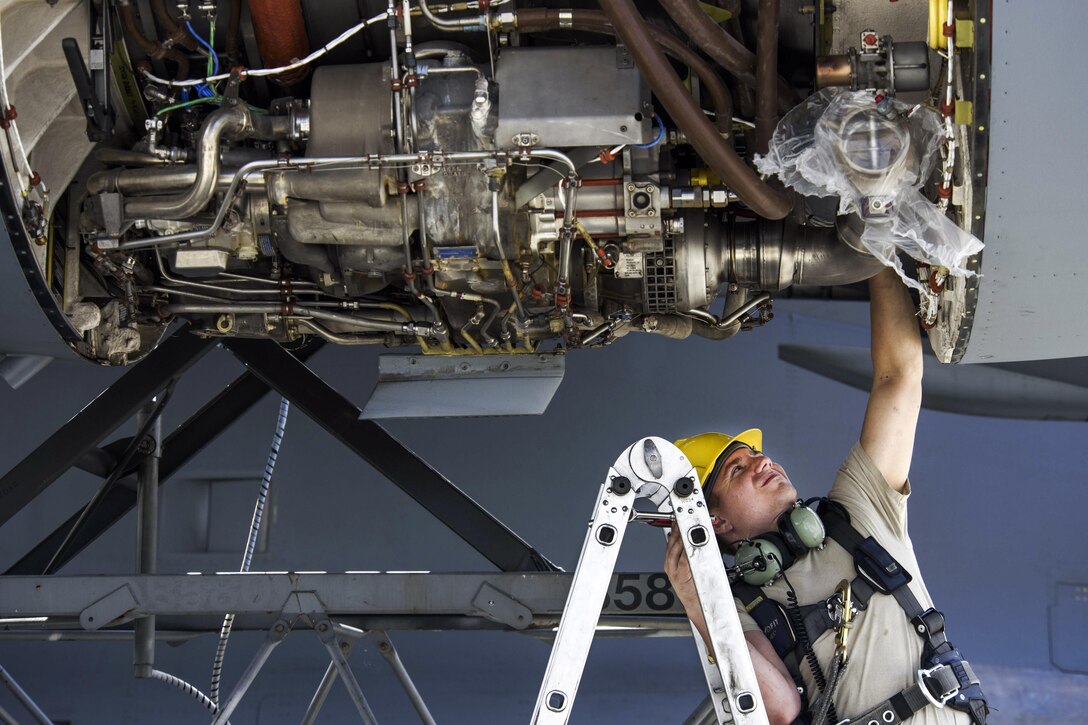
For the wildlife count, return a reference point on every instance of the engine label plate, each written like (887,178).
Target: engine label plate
(630,266)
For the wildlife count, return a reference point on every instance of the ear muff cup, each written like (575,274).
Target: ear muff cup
(802,529)
(799,530)
(775,555)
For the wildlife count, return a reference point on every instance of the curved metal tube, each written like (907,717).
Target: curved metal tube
(465,23)
(734,316)
(229,120)
(631,28)
(324,332)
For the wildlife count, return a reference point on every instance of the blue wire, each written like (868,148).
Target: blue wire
(656,141)
(215,58)
(203,89)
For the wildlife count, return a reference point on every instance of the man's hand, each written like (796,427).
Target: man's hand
(679,573)
(780,697)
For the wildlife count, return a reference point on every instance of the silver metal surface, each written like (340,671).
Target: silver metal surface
(147,534)
(259,593)
(320,695)
(1034,269)
(275,636)
(225,122)
(592,95)
(389,652)
(417,386)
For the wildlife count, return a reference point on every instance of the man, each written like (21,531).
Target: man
(747,492)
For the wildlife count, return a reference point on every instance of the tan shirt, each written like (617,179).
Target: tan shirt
(883,651)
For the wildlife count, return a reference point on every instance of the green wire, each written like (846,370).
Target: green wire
(211,43)
(202,99)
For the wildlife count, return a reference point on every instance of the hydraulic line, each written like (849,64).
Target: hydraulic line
(766,73)
(727,51)
(151,48)
(631,28)
(251,543)
(175,33)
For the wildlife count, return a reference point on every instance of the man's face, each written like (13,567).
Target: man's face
(751,491)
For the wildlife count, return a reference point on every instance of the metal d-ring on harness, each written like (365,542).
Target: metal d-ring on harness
(944,678)
(844,613)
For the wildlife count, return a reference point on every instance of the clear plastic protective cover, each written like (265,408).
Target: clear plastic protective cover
(874,154)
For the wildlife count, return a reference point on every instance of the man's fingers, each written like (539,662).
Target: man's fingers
(676,559)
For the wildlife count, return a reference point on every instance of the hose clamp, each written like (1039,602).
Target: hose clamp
(566,18)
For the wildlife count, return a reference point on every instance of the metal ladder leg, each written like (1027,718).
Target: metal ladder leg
(583,607)
(735,689)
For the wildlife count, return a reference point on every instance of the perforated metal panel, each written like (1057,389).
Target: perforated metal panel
(659,282)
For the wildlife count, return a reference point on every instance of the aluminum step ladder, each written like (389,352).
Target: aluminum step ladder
(655,470)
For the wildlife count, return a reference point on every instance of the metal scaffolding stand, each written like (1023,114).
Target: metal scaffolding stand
(133,469)
(526,595)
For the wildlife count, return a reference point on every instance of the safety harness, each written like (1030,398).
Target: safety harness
(943,678)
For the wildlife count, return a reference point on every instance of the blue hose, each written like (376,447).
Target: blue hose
(660,135)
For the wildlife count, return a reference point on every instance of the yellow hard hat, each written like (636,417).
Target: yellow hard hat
(707,451)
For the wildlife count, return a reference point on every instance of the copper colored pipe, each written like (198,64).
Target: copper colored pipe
(152,49)
(766,73)
(233,26)
(281,36)
(174,32)
(593,21)
(727,51)
(706,140)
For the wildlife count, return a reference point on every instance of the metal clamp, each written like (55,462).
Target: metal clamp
(926,676)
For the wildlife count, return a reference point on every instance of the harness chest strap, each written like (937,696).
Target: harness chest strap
(936,685)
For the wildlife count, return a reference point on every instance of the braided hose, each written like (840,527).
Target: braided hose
(188,689)
(251,542)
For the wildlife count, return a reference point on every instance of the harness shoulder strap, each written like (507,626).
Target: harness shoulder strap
(946,677)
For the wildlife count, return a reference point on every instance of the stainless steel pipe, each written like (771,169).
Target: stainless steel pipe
(227,121)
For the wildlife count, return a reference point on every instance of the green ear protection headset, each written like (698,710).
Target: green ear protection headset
(763,558)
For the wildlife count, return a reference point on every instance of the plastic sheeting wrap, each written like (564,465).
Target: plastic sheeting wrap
(875,156)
